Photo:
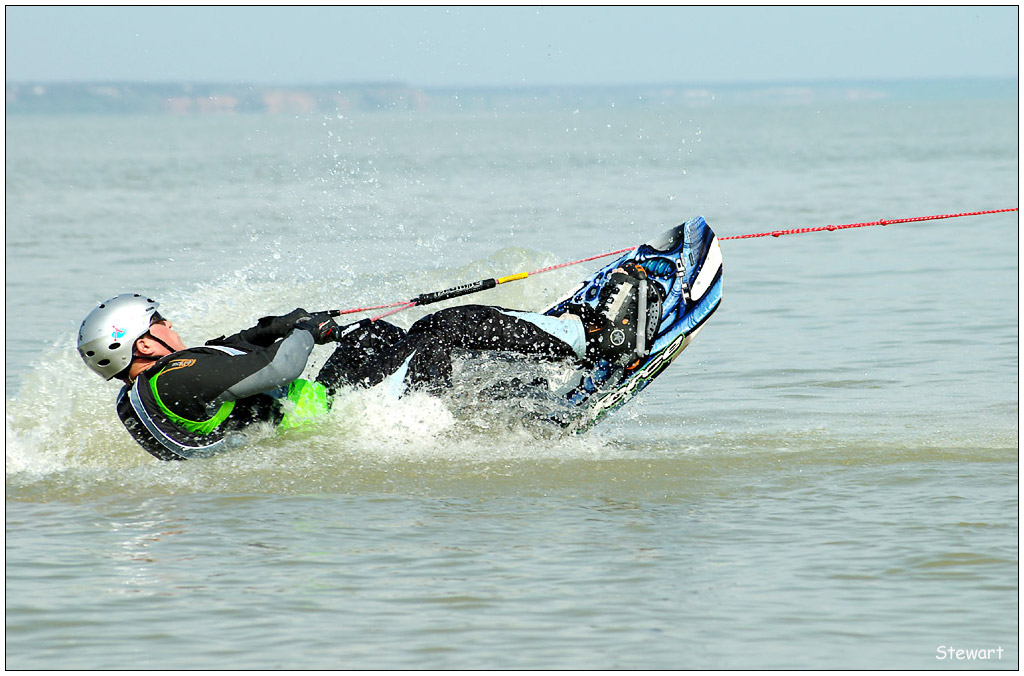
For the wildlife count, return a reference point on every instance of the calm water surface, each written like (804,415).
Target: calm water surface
(827,478)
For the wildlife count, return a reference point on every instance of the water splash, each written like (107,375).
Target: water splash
(63,434)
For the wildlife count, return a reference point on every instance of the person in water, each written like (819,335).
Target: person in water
(180,402)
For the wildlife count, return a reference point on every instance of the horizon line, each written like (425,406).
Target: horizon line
(520,86)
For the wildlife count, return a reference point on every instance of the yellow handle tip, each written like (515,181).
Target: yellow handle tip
(512,278)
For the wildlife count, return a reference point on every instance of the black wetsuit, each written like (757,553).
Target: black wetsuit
(366,356)
(246,369)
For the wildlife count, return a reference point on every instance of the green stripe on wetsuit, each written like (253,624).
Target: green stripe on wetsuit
(199,427)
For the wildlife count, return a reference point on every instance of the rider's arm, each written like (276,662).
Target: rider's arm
(285,365)
(266,331)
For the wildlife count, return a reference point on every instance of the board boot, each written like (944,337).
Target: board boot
(621,329)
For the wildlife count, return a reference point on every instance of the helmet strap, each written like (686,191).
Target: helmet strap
(170,350)
(136,355)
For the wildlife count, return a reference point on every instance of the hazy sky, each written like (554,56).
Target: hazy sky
(453,46)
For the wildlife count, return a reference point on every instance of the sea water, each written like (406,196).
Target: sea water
(827,477)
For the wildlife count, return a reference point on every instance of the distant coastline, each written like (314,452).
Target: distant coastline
(180,98)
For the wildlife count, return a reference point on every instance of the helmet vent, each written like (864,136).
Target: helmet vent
(114,346)
(103,362)
(90,353)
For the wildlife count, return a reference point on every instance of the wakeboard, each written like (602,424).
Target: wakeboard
(686,263)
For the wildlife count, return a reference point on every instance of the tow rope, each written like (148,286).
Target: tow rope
(830,228)
(484,284)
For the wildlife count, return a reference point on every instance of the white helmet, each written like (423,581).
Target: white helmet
(107,337)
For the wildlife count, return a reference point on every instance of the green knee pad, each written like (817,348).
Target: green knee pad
(309,400)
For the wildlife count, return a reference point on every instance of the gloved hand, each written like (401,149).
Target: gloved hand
(267,329)
(321,325)
(279,326)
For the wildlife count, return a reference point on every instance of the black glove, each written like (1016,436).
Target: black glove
(269,329)
(281,325)
(266,331)
(321,325)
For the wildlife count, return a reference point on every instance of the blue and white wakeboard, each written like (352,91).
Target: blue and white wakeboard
(686,262)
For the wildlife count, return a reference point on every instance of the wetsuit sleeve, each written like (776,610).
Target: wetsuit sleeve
(287,365)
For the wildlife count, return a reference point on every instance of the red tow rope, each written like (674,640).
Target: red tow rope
(830,228)
(484,284)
